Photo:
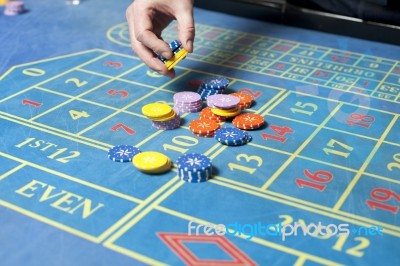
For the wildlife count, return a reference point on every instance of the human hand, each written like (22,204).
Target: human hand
(148,18)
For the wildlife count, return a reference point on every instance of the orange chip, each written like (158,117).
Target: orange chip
(203,127)
(207,114)
(245,99)
(248,121)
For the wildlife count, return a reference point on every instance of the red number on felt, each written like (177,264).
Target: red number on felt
(250,92)
(281,131)
(316,179)
(29,102)
(125,128)
(112,64)
(360,120)
(123,93)
(320,73)
(195,83)
(339,58)
(381,195)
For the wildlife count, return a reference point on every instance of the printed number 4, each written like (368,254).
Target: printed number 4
(78,114)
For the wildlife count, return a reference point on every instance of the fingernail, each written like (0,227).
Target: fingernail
(171,74)
(166,55)
(189,44)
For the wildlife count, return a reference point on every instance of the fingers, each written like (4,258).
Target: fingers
(143,50)
(144,33)
(146,20)
(147,56)
(186,27)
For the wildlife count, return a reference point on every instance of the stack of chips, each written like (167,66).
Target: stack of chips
(187,101)
(224,105)
(213,86)
(151,162)
(248,121)
(179,53)
(232,136)
(162,116)
(246,100)
(194,167)
(204,128)
(14,8)
(207,114)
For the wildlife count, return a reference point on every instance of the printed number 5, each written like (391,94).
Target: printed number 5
(234,166)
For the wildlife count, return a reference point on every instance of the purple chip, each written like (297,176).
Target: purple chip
(186,97)
(222,101)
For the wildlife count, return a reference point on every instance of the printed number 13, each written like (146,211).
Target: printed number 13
(234,166)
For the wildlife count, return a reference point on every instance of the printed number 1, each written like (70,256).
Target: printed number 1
(280,131)
(317,178)
(332,143)
(381,195)
(360,120)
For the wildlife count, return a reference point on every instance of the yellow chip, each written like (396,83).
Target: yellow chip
(176,59)
(152,162)
(226,113)
(156,110)
(160,170)
(168,117)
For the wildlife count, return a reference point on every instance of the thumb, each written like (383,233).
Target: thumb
(186,29)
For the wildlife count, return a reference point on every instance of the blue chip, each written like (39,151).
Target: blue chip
(193,162)
(162,59)
(175,45)
(216,83)
(232,136)
(122,153)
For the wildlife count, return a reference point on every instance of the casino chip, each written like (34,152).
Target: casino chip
(212,86)
(232,136)
(228,113)
(151,162)
(179,53)
(14,8)
(248,121)
(162,116)
(222,101)
(188,101)
(204,128)
(246,100)
(122,153)
(207,114)
(194,168)
(157,110)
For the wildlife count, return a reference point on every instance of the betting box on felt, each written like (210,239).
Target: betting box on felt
(326,163)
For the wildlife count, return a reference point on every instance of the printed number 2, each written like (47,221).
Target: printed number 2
(77,82)
(395,164)
(357,250)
